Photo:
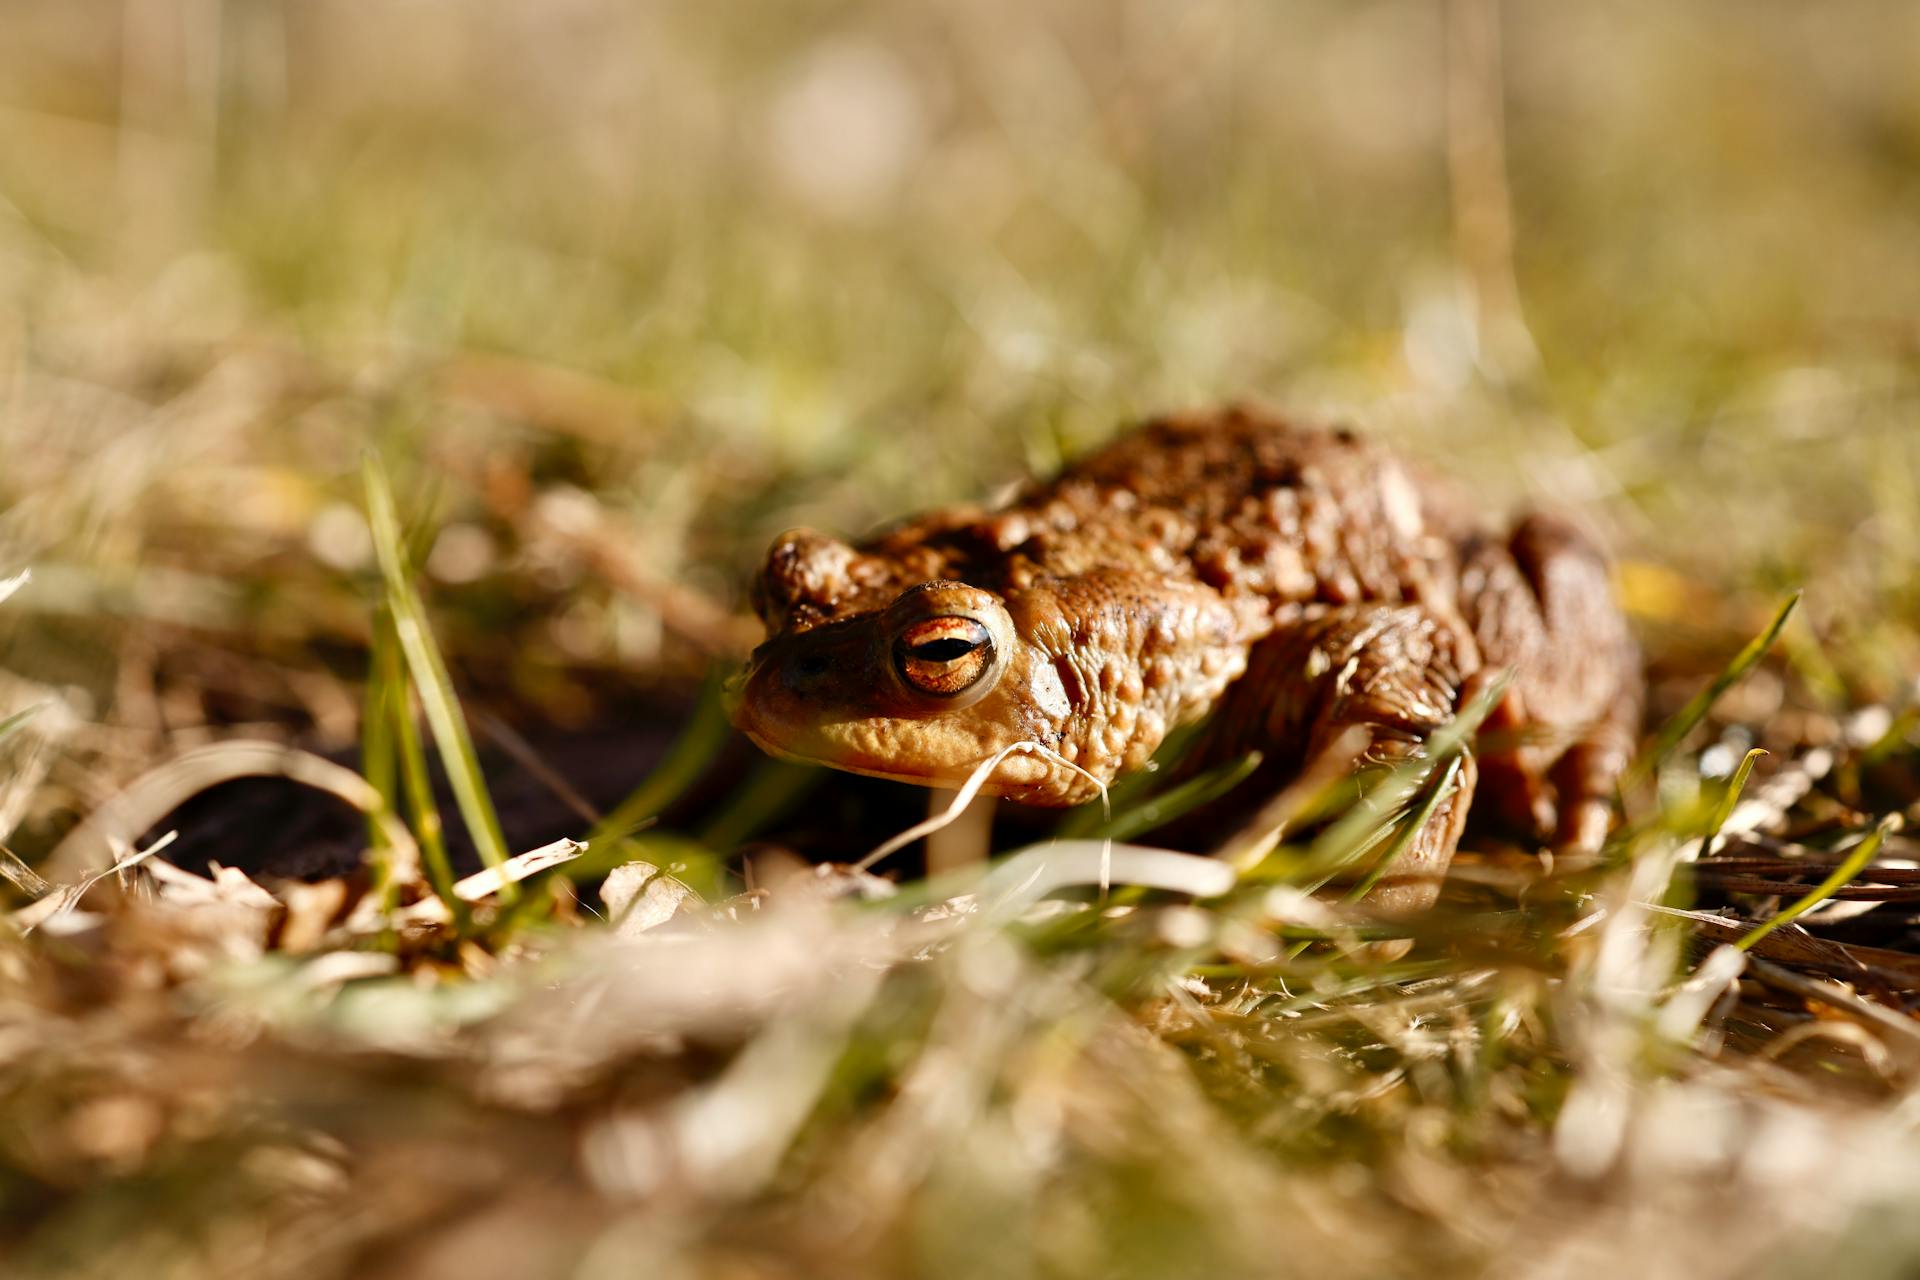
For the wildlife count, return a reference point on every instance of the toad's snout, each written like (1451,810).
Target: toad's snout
(794,684)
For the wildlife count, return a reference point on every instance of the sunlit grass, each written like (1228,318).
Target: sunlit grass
(406,616)
(570,276)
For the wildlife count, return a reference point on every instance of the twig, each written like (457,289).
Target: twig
(1837,995)
(508,740)
(1477,177)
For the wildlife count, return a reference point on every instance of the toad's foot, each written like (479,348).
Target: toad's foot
(1394,671)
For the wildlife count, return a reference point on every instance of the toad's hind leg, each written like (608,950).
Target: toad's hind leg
(1541,606)
(1395,672)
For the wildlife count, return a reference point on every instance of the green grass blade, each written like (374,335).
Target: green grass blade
(1368,822)
(1854,863)
(409,762)
(1674,731)
(378,763)
(1202,789)
(689,757)
(1731,800)
(1817,672)
(771,790)
(430,678)
(1403,839)
(1129,790)
(15,722)
(1409,829)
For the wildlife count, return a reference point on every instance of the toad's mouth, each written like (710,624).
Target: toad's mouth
(1024,771)
(785,749)
(804,743)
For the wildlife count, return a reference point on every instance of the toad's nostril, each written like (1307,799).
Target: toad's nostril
(811,667)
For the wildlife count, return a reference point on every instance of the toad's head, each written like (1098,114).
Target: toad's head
(880,663)
(914,681)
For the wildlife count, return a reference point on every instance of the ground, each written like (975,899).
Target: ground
(412,389)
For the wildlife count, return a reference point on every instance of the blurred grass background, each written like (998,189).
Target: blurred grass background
(620,290)
(727,269)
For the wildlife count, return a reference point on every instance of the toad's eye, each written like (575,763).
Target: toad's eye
(943,656)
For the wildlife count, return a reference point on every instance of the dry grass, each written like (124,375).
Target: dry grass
(614,292)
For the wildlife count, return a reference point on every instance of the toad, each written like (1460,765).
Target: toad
(1290,581)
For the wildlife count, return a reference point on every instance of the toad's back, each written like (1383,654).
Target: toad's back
(1247,505)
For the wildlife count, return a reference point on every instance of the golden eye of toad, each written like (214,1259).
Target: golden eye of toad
(943,656)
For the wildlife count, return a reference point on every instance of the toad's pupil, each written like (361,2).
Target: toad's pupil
(944,650)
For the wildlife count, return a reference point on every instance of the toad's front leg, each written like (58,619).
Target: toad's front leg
(1394,671)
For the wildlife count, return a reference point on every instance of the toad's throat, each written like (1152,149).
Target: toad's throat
(1023,770)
